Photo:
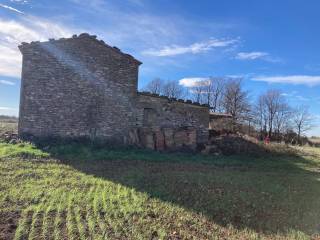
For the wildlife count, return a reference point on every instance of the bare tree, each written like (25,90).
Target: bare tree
(213,92)
(302,121)
(236,101)
(172,89)
(282,119)
(273,100)
(209,91)
(272,113)
(261,116)
(197,92)
(155,86)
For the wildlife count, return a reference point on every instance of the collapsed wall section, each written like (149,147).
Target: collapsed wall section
(170,122)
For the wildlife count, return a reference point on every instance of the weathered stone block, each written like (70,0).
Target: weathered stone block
(168,138)
(159,140)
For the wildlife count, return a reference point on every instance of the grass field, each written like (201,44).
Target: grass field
(81,192)
(85,192)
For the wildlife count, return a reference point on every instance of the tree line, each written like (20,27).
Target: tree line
(270,114)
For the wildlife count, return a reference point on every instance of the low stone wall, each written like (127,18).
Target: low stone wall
(166,113)
(161,139)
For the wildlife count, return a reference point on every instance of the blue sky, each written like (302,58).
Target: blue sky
(271,44)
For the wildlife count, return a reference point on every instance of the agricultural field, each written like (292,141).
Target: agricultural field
(8,124)
(315,140)
(87,192)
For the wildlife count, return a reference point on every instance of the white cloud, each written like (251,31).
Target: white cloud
(11,8)
(26,29)
(291,79)
(302,98)
(20,1)
(6,82)
(10,62)
(251,55)
(195,48)
(293,95)
(193,82)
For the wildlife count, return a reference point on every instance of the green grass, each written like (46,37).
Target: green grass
(83,192)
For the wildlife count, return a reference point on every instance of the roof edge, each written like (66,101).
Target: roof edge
(149,94)
(82,35)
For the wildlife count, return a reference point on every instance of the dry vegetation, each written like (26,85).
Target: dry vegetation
(315,140)
(8,124)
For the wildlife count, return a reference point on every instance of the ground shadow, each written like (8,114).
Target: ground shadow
(269,194)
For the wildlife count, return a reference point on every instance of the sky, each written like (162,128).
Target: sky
(271,44)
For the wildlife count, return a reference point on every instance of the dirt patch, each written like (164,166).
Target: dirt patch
(8,224)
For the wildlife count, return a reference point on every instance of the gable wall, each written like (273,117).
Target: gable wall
(76,87)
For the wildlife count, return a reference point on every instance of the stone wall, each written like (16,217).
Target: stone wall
(158,138)
(76,87)
(174,114)
(81,87)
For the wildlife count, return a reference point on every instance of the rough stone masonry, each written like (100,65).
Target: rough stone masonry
(82,87)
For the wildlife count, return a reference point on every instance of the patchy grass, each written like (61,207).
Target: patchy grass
(21,150)
(83,192)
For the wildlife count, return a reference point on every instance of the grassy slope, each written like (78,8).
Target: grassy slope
(85,193)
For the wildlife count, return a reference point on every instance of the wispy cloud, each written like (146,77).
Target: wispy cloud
(6,82)
(249,56)
(11,8)
(195,48)
(291,79)
(146,34)
(294,95)
(25,29)
(193,82)
(20,1)
(302,98)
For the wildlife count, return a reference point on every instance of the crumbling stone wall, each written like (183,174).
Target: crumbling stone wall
(158,138)
(173,114)
(81,87)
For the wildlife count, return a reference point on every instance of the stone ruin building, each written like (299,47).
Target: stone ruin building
(81,87)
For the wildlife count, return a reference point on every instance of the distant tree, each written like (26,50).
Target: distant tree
(173,89)
(197,92)
(155,86)
(272,114)
(213,92)
(236,101)
(282,119)
(261,116)
(273,99)
(302,121)
(209,91)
